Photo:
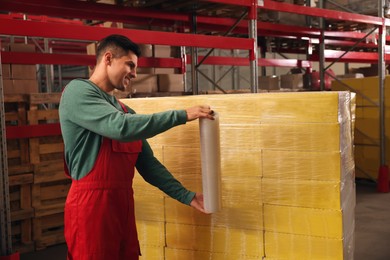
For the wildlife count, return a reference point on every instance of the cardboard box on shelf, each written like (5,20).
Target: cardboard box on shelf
(20,86)
(144,83)
(164,71)
(113,25)
(170,83)
(164,51)
(19,71)
(293,81)
(21,47)
(145,70)
(91,48)
(146,50)
(6,70)
(268,82)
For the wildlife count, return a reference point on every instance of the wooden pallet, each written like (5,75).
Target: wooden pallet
(20,184)
(48,230)
(48,202)
(15,115)
(43,110)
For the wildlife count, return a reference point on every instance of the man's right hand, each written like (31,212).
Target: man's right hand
(199,112)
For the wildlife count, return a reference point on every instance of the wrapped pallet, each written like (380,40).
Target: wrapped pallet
(287,174)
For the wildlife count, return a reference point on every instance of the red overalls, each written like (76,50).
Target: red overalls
(99,210)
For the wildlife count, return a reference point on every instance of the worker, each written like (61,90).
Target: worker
(104,140)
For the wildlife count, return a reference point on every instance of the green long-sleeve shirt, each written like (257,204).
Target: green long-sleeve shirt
(87,114)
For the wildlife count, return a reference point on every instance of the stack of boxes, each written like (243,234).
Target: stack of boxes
(286,82)
(367,140)
(287,180)
(18,78)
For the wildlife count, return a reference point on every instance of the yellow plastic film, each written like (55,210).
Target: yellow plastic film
(173,253)
(215,239)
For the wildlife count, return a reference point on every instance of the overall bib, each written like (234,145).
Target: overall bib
(99,210)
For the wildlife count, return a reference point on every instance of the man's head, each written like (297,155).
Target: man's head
(117,59)
(119,45)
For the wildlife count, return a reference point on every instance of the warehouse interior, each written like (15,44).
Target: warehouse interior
(301,89)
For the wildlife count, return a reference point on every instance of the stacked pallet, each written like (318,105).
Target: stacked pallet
(50,183)
(20,175)
(287,180)
(38,186)
(367,139)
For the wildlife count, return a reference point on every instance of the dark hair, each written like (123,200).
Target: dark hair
(120,45)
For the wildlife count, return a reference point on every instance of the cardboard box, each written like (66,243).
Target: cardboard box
(144,70)
(268,82)
(164,71)
(113,25)
(170,83)
(292,81)
(19,71)
(163,51)
(20,86)
(6,71)
(21,47)
(144,83)
(91,48)
(146,50)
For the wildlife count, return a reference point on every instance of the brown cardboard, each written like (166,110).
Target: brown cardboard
(144,83)
(145,70)
(20,86)
(113,25)
(91,48)
(170,83)
(146,50)
(164,71)
(292,81)
(162,51)
(6,71)
(21,47)
(268,82)
(19,71)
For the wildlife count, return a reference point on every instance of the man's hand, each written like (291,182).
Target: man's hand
(199,112)
(197,202)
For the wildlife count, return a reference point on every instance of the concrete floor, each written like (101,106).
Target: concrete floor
(372,233)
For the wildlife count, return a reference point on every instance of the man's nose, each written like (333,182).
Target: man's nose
(133,74)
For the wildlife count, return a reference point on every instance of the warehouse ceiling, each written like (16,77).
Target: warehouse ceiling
(284,30)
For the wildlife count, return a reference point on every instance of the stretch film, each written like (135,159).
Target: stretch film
(211,163)
(287,179)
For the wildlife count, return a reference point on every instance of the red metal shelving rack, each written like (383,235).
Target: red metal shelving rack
(54,28)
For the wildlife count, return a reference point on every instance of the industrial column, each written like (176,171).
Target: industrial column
(383,176)
(253,35)
(5,212)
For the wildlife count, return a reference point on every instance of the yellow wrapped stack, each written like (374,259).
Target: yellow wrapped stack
(287,180)
(367,141)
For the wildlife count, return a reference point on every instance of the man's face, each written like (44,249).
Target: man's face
(121,70)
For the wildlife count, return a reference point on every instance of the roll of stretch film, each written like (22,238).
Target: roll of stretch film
(211,163)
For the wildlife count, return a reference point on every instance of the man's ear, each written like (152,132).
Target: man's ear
(107,58)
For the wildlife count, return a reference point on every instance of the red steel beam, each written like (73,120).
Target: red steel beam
(80,32)
(319,12)
(89,60)
(107,12)
(30,131)
(97,11)
(354,57)
(237,61)
(79,59)
(232,2)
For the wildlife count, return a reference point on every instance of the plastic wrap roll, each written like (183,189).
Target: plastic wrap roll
(211,163)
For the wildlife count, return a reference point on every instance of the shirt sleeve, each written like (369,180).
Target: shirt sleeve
(87,107)
(158,175)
